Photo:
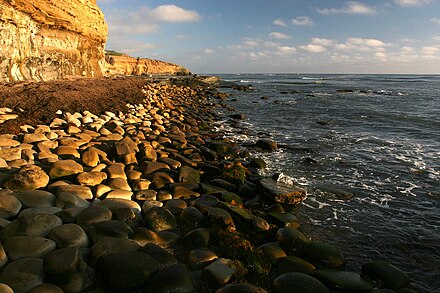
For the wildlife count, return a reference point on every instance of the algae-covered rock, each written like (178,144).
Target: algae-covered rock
(324,254)
(391,276)
(342,280)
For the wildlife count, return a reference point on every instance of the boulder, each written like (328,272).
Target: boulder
(342,280)
(9,206)
(172,279)
(23,274)
(300,282)
(125,271)
(65,168)
(391,276)
(280,192)
(324,254)
(28,178)
(18,247)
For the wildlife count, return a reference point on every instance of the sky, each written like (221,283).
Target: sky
(279,36)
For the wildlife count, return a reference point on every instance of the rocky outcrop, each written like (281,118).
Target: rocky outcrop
(122,64)
(49,39)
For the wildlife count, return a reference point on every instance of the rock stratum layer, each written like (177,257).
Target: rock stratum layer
(49,39)
(117,64)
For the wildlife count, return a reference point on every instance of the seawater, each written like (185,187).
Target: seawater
(367,148)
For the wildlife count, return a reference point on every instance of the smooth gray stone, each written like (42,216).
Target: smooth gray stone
(31,225)
(348,281)
(36,198)
(23,274)
(69,235)
(18,247)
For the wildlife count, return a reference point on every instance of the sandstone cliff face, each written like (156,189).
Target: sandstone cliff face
(51,39)
(121,64)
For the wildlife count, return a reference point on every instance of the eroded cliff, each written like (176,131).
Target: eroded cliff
(51,39)
(122,64)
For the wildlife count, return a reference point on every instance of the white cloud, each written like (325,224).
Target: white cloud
(435,21)
(429,50)
(352,7)
(312,48)
(173,13)
(208,51)
(367,42)
(322,42)
(286,50)
(412,3)
(278,36)
(279,22)
(303,21)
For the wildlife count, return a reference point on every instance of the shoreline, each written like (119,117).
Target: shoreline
(206,184)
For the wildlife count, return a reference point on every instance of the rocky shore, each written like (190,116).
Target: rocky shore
(128,188)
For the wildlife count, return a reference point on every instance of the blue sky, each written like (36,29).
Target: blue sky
(285,36)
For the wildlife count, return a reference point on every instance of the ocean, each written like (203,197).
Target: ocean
(366,147)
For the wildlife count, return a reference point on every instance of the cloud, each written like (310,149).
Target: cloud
(352,7)
(173,13)
(429,50)
(412,3)
(279,22)
(303,21)
(286,50)
(313,48)
(208,51)
(323,42)
(278,36)
(435,21)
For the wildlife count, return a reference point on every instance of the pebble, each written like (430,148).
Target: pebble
(23,274)
(9,206)
(301,282)
(173,278)
(65,168)
(69,235)
(219,272)
(18,247)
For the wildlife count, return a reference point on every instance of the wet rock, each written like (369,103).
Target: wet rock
(266,145)
(65,168)
(272,251)
(31,225)
(220,219)
(191,217)
(200,258)
(257,163)
(65,268)
(125,271)
(159,219)
(324,254)
(219,272)
(172,279)
(175,206)
(293,264)
(189,175)
(391,276)
(282,193)
(110,245)
(342,280)
(163,257)
(28,178)
(301,282)
(284,219)
(9,206)
(197,238)
(291,239)
(23,274)
(260,224)
(69,235)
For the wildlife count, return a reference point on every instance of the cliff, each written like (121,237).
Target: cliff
(51,39)
(122,64)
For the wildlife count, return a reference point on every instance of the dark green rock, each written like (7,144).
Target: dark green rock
(159,219)
(197,238)
(298,282)
(188,174)
(291,239)
(163,257)
(266,145)
(324,254)
(342,280)
(284,219)
(280,192)
(391,276)
(293,264)
(219,218)
(257,163)
(191,217)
